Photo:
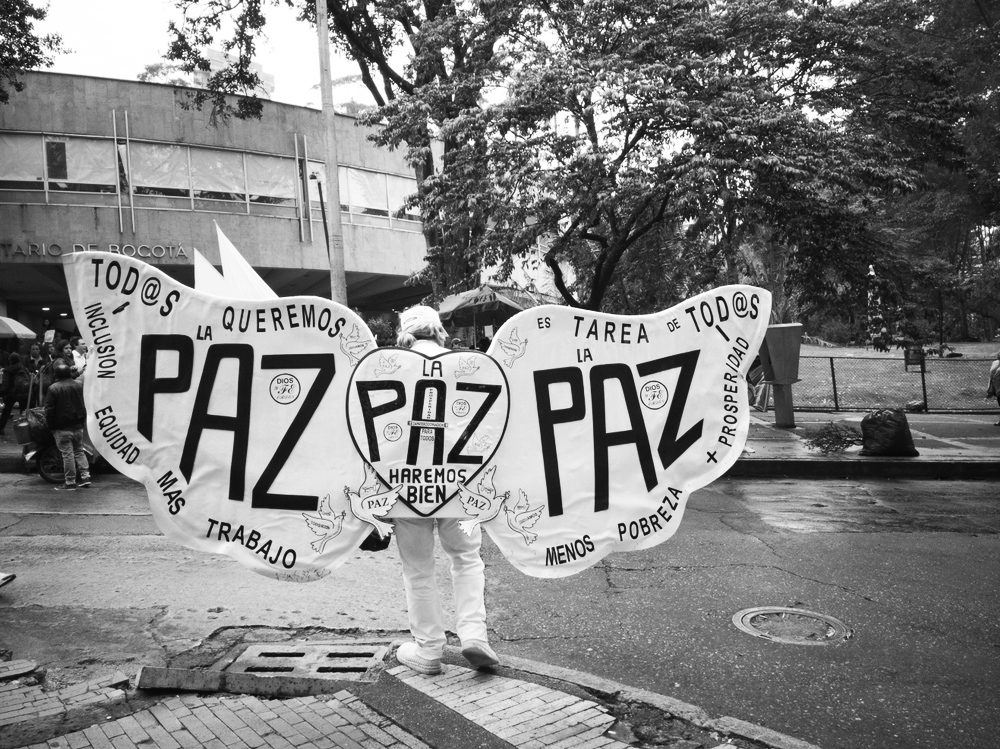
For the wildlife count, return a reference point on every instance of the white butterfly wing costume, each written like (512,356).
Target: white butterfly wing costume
(583,433)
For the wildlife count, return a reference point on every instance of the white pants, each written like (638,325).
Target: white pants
(415,541)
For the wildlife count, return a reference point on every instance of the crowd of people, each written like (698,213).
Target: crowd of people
(50,376)
(27,372)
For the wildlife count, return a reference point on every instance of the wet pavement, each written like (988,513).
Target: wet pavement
(912,576)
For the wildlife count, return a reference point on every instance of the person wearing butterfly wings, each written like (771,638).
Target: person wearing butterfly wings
(420,329)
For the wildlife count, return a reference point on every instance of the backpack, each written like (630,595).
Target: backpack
(22,382)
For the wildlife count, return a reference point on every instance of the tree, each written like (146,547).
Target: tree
(945,239)
(21,48)
(595,124)
(162,72)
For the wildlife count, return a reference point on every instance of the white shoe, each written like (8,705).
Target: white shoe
(480,654)
(6,577)
(408,656)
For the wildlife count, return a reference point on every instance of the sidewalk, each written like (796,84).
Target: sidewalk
(956,446)
(523,704)
(951,446)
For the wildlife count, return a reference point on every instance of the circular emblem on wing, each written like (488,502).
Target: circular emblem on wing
(285,388)
(654,394)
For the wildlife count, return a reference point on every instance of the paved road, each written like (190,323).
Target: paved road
(910,566)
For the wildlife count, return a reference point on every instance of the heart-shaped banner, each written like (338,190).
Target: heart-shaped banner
(427,425)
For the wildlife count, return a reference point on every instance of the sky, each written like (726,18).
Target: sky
(119,38)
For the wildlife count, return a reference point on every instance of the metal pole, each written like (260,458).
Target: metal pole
(322,207)
(338,276)
(923,382)
(118,179)
(299,185)
(833,378)
(305,185)
(128,172)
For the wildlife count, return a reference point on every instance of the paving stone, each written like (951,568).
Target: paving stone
(123,742)
(15,669)
(97,738)
(132,729)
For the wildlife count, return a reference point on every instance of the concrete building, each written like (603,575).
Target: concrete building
(128,167)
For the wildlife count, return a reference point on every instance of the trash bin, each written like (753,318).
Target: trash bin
(779,356)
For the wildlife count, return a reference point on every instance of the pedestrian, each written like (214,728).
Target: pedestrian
(483,343)
(421,330)
(994,386)
(63,351)
(79,347)
(34,365)
(66,416)
(14,388)
(34,362)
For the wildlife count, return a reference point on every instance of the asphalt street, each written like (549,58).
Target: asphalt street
(911,567)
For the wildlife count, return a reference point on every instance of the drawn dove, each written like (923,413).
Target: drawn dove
(352,345)
(386,364)
(368,503)
(484,504)
(327,524)
(466,367)
(513,347)
(523,517)
(480,444)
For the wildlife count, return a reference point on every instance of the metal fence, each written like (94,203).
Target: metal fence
(841,383)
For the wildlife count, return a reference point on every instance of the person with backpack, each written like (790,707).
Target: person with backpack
(16,382)
(66,415)
(420,330)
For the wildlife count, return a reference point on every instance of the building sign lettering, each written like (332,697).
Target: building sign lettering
(56,249)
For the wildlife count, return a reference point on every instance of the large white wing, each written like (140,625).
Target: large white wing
(231,412)
(615,420)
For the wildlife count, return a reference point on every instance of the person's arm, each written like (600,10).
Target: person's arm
(50,407)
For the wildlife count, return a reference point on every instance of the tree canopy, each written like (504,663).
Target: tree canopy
(21,48)
(597,128)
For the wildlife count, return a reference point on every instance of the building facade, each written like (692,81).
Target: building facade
(131,168)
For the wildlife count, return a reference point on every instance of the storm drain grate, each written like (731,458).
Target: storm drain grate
(792,626)
(342,661)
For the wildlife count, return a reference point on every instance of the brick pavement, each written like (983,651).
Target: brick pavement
(24,703)
(527,715)
(220,722)
(520,714)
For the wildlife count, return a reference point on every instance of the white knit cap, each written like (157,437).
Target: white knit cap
(418,317)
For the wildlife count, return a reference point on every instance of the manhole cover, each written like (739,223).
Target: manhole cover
(342,661)
(791,626)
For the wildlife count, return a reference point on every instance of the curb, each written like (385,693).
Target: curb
(691,713)
(864,468)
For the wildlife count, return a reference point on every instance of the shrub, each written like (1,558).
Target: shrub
(834,330)
(834,438)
